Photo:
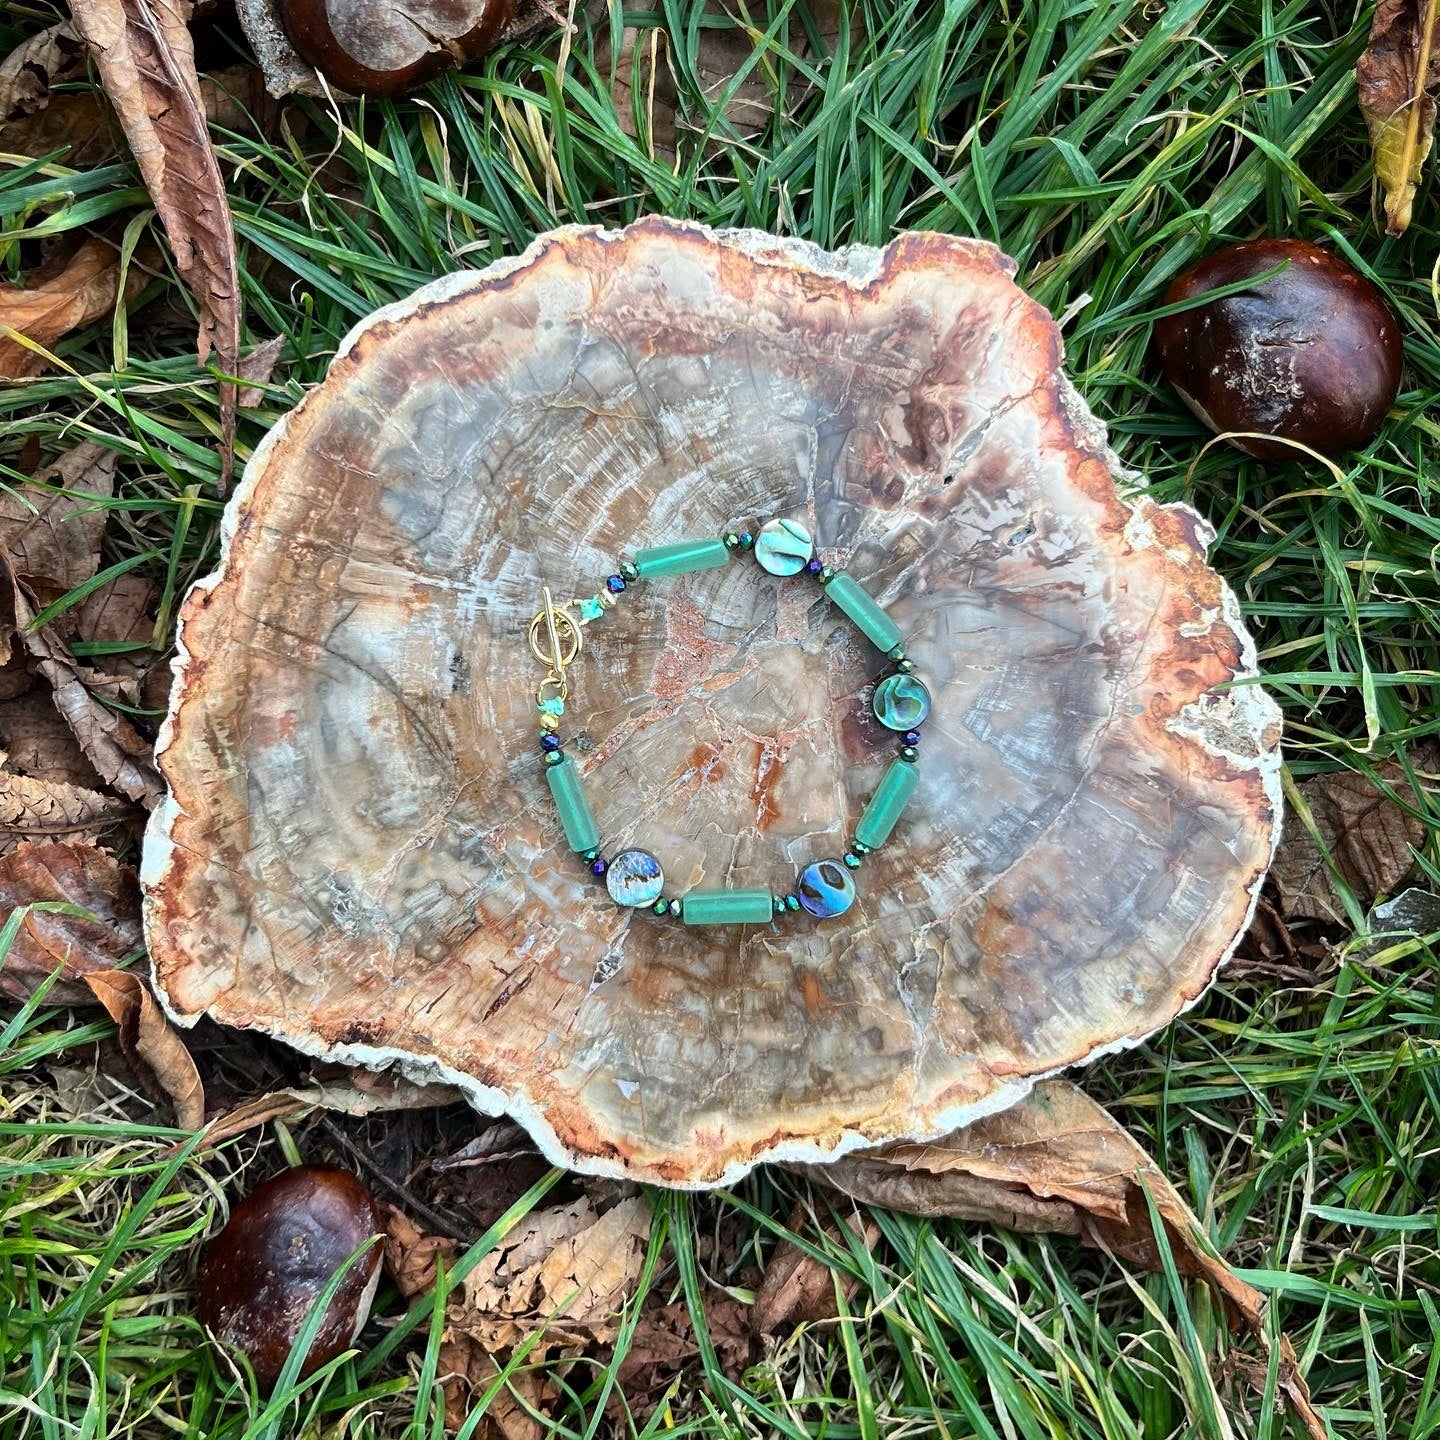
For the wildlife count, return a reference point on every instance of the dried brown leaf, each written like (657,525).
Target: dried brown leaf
(567,1270)
(411,1255)
(146,60)
(38,742)
(1397,79)
(67,292)
(799,1289)
(1368,835)
(33,809)
(155,1051)
(120,754)
(53,534)
(34,67)
(467,1371)
(75,874)
(1059,1148)
(256,369)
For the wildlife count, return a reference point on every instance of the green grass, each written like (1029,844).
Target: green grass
(1103,144)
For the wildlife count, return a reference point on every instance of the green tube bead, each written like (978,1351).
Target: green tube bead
(680,559)
(581,831)
(727,907)
(886,804)
(867,612)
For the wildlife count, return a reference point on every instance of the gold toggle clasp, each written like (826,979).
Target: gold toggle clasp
(555,641)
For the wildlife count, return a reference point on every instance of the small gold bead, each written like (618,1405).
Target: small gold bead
(606,599)
(549,722)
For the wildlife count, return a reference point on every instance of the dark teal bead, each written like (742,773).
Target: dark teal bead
(629,572)
(900,702)
(852,860)
(792,902)
(905,667)
(826,889)
(732,540)
(910,753)
(590,856)
(660,907)
(860,849)
(554,757)
(897,654)
(827,574)
(779,904)
(674,906)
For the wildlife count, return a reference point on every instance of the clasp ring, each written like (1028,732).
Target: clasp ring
(556,640)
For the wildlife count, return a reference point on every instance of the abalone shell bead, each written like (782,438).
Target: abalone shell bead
(900,702)
(581,831)
(886,804)
(867,612)
(680,559)
(727,907)
(635,878)
(783,547)
(825,889)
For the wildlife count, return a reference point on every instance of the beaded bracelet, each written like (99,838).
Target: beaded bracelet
(900,702)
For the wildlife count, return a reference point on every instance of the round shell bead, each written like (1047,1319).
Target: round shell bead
(783,547)
(634,878)
(826,889)
(900,702)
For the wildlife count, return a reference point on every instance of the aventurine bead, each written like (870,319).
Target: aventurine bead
(896,787)
(726,907)
(629,572)
(783,547)
(867,612)
(900,702)
(615,583)
(825,889)
(549,741)
(680,559)
(581,831)
(554,757)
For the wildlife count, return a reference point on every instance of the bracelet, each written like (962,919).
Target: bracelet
(635,877)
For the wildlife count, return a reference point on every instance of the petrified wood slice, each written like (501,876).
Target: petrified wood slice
(359,854)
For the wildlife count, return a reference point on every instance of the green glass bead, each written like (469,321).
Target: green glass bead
(660,907)
(551,705)
(726,907)
(909,753)
(792,902)
(581,831)
(867,613)
(852,860)
(896,787)
(628,572)
(554,757)
(681,559)
(732,540)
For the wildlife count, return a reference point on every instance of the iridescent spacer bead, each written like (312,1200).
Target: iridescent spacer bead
(910,753)
(779,906)
(792,902)
(851,860)
(738,540)
(599,865)
(660,907)
(859,849)
(826,574)
(614,583)
(590,856)
(549,741)
(814,567)
(629,573)
(673,906)
(897,654)
(912,737)
(554,757)
(905,667)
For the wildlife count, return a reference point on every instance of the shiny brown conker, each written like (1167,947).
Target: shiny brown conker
(280,1248)
(385,47)
(1312,354)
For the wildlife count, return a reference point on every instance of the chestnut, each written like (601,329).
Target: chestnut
(280,1248)
(385,47)
(1311,354)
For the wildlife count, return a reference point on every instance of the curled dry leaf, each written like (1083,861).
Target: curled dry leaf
(32,808)
(67,291)
(119,753)
(74,874)
(1058,1162)
(411,1255)
(146,60)
(37,741)
(155,1052)
(34,67)
(1367,834)
(1397,79)
(53,534)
